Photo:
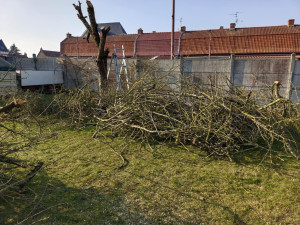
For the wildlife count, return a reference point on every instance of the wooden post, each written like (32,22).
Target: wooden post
(172,33)
(290,76)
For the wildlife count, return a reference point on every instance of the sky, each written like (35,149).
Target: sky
(32,24)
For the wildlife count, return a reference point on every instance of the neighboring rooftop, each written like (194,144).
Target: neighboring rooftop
(273,41)
(48,54)
(250,40)
(157,44)
(2,46)
(78,46)
(116,28)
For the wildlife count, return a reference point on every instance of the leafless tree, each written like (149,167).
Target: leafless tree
(99,39)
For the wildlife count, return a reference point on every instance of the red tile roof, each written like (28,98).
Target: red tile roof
(253,40)
(73,45)
(276,39)
(153,44)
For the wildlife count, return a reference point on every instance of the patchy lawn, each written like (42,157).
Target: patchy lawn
(112,181)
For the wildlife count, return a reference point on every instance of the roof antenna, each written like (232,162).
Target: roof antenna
(180,21)
(236,16)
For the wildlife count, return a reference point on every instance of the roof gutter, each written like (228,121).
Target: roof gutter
(179,43)
(134,54)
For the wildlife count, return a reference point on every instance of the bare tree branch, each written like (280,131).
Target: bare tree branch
(100,40)
(83,18)
(93,23)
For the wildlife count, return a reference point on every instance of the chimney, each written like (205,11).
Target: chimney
(154,31)
(140,31)
(183,29)
(232,26)
(221,27)
(291,22)
(69,35)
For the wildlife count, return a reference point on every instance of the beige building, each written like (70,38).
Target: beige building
(48,54)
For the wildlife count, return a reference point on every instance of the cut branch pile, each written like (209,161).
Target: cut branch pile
(218,121)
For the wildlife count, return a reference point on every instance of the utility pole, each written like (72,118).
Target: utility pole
(172,34)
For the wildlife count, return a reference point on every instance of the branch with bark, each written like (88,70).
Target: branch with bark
(99,39)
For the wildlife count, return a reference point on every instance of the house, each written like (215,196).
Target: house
(3,50)
(269,41)
(48,54)
(115,29)
(156,43)
(79,47)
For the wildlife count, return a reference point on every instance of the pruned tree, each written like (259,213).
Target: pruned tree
(98,37)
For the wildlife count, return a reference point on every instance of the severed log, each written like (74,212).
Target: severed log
(12,105)
(275,89)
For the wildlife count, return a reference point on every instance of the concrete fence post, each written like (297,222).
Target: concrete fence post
(290,76)
(231,74)
(181,65)
(138,68)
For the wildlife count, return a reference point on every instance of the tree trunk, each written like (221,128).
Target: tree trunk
(102,59)
(99,40)
(102,78)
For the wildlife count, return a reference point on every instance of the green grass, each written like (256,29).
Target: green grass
(82,183)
